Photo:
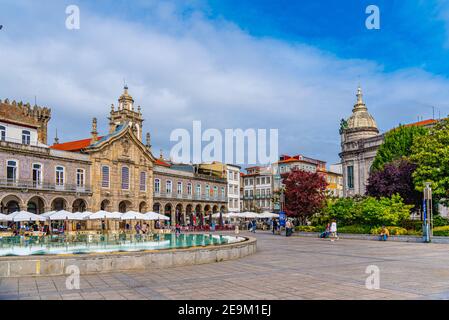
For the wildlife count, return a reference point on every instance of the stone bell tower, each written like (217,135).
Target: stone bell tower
(125,113)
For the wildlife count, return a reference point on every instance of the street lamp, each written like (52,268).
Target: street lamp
(427,213)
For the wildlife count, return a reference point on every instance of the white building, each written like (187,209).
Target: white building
(19,134)
(233,175)
(258,189)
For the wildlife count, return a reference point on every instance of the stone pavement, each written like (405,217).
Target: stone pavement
(283,268)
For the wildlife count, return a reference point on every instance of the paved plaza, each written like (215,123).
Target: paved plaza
(283,268)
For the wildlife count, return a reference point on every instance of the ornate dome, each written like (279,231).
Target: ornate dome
(360,118)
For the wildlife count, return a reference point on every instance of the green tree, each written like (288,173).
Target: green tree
(385,211)
(397,144)
(430,153)
(365,211)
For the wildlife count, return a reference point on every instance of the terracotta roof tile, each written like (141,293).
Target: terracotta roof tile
(422,123)
(162,163)
(74,146)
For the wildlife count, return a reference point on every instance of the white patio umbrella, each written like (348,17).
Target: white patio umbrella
(100,215)
(81,215)
(269,215)
(48,214)
(133,215)
(3,217)
(156,216)
(61,215)
(25,216)
(248,214)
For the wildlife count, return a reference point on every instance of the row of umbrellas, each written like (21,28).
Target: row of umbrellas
(25,216)
(247,215)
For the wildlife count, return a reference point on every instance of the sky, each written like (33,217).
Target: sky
(288,65)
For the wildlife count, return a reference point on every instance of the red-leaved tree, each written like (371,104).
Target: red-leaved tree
(305,193)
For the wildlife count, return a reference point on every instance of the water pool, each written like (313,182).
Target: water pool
(20,246)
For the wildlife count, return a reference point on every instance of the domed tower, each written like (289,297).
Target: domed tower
(361,123)
(360,140)
(126,113)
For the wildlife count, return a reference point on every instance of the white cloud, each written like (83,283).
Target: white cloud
(181,69)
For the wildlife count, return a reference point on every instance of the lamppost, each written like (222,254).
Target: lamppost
(427,213)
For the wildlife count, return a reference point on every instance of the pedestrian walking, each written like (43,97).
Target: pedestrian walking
(274,225)
(333,231)
(254,226)
(288,228)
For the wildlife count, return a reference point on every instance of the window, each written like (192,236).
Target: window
(168,187)
(350,177)
(189,189)
(2,133)
(223,192)
(37,174)
(258,181)
(207,190)
(11,171)
(125,178)
(59,176)
(179,188)
(198,189)
(26,137)
(268,180)
(236,176)
(215,192)
(105,176)
(80,178)
(143,181)
(157,186)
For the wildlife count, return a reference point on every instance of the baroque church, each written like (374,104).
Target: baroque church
(360,140)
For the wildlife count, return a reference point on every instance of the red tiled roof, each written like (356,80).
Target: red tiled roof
(422,123)
(162,163)
(73,146)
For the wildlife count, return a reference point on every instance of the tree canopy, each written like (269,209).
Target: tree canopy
(397,144)
(395,178)
(430,152)
(305,193)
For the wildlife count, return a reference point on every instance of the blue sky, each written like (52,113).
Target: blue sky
(291,65)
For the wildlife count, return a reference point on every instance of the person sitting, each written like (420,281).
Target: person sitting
(384,234)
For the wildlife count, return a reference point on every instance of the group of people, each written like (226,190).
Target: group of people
(289,227)
(331,231)
(139,228)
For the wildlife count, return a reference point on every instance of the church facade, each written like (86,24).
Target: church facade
(360,140)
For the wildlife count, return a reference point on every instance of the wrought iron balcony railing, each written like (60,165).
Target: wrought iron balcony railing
(44,186)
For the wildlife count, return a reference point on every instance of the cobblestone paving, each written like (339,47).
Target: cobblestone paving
(282,268)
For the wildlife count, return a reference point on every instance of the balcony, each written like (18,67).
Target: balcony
(186,196)
(44,186)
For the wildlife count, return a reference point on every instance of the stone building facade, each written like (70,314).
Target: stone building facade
(113,172)
(258,189)
(360,140)
(34,177)
(185,195)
